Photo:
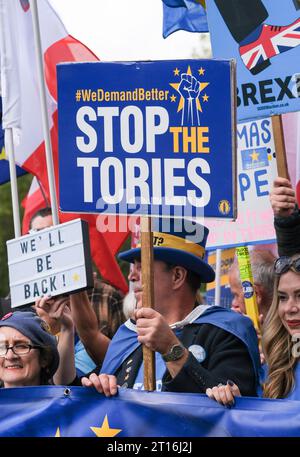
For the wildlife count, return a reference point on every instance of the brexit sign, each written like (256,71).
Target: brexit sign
(148,138)
(264,38)
(52,261)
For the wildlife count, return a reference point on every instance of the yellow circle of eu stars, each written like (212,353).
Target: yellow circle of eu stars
(224,206)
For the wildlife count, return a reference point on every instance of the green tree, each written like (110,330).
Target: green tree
(203,50)
(7,226)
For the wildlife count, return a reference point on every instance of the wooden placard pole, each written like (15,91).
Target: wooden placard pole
(148,296)
(278,136)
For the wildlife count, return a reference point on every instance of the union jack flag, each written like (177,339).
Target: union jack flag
(273,40)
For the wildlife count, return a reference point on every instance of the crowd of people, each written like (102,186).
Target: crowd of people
(95,338)
(281,327)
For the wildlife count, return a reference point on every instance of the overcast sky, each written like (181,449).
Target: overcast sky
(124,29)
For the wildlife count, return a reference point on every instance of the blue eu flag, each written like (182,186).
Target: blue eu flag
(189,15)
(56,411)
(254,158)
(4,165)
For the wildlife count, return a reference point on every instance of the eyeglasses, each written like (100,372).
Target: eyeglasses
(18,349)
(285,263)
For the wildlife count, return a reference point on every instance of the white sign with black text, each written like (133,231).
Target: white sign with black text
(52,261)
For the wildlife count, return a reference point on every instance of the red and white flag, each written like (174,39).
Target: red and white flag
(19,82)
(21,104)
(34,201)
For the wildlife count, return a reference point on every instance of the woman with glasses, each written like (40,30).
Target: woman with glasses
(28,353)
(280,339)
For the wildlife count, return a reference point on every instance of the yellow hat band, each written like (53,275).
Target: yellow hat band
(202,2)
(164,240)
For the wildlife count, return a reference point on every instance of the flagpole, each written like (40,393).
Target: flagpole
(45,120)
(218,277)
(8,134)
(9,147)
(42,191)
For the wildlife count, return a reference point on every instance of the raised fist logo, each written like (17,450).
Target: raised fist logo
(189,89)
(189,86)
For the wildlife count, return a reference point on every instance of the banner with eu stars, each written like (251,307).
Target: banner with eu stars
(148,138)
(56,411)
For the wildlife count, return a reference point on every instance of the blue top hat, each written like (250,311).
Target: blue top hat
(177,242)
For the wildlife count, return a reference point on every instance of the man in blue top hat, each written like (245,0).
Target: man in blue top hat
(196,346)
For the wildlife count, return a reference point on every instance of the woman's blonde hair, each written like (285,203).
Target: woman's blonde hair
(277,345)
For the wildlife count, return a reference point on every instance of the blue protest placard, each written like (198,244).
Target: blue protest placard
(148,138)
(264,38)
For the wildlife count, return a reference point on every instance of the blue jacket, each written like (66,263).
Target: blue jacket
(226,340)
